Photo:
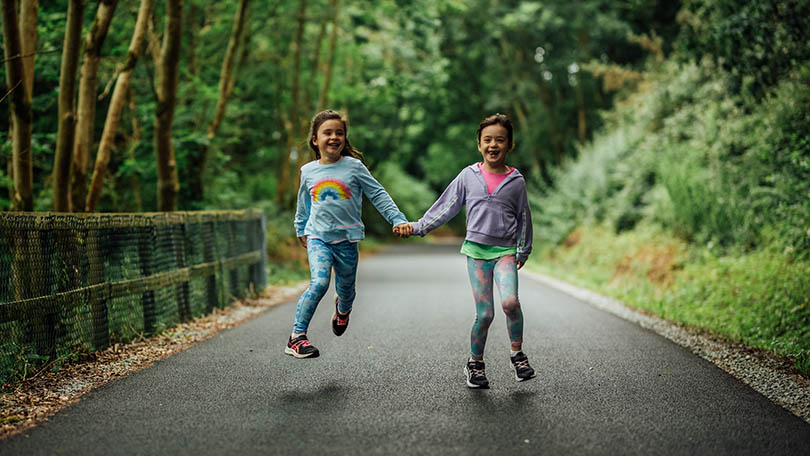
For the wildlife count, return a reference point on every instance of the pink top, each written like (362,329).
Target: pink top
(493,180)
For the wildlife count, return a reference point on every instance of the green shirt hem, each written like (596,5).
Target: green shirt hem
(478,251)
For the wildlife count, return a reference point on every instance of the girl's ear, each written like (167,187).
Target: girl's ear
(314,141)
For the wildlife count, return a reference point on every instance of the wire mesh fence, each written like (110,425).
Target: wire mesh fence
(74,282)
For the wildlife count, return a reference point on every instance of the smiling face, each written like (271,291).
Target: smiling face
(330,140)
(494,144)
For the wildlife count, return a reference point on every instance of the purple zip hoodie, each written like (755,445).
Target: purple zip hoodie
(502,218)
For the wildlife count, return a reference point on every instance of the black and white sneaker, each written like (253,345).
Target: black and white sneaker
(476,377)
(301,348)
(522,369)
(339,321)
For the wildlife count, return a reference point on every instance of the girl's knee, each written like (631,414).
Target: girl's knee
(318,287)
(511,305)
(484,319)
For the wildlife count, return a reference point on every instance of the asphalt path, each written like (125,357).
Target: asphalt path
(394,384)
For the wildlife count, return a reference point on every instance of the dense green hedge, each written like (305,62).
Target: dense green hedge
(716,168)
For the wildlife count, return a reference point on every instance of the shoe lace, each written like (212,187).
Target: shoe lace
(300,344)
(522,364)
(476,371)
(342,319)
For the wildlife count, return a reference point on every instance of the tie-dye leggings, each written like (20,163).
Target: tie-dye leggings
(322,258)
(504,272)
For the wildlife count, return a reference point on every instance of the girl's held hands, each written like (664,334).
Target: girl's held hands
(303,241)
(403,230)
(520,264)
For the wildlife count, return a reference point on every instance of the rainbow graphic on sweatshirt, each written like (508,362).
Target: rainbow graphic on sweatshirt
(330,188)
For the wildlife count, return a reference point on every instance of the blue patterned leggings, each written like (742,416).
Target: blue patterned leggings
(504,272)
(322,258)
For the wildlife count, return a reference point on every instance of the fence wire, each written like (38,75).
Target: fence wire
(71,282)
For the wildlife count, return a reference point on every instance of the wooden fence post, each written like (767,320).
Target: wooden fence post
(146,247)
(178,233)
(257,241)
(41,279)
(263,245)
(233,273)
(98,295)
(209,246)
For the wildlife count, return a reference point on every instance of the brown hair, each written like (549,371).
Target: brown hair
(320,118)
(498,119)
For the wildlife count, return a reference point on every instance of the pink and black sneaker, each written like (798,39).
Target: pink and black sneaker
(301,348)
(339,321)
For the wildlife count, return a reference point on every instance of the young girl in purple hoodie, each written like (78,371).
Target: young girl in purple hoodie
(498,240)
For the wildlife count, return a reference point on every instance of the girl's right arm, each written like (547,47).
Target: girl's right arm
(445,208)
(302,211)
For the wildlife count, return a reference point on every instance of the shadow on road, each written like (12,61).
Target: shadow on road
(490,405)
(327,396)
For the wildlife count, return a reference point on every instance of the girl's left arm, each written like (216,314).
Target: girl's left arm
(379,197)
(524,228)
(302,208)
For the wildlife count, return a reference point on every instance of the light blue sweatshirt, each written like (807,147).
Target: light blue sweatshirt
(330,200)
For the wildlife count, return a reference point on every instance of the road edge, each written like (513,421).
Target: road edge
(765,373)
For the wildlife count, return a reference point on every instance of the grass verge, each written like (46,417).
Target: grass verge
(761,299)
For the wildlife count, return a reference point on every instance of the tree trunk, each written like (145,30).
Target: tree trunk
(67,108)
(192,32)
(21,119)
(133,144)
(227,79)
(307,102)
(86,108)
(293,120)
(193,24)
(29,10)
(136,49)
(324,98)
(313,76)
(167,72)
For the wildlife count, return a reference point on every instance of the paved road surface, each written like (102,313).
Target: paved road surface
(393,384)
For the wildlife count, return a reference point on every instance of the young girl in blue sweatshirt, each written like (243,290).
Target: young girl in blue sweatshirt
(328,224)
(497,243)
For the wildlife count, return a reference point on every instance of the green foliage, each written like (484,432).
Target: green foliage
(756,43)
(715,168)
(414,78)
(413,197)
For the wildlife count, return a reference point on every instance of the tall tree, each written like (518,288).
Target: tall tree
(167,72)
(227,79)
(292,122)
(29,10)
(122,84)
(86,107)
(192,32)
(21,117)
(67,111)
(330,64)
(307,101)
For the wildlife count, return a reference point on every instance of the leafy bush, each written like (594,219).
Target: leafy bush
(756,43)
(715,168)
